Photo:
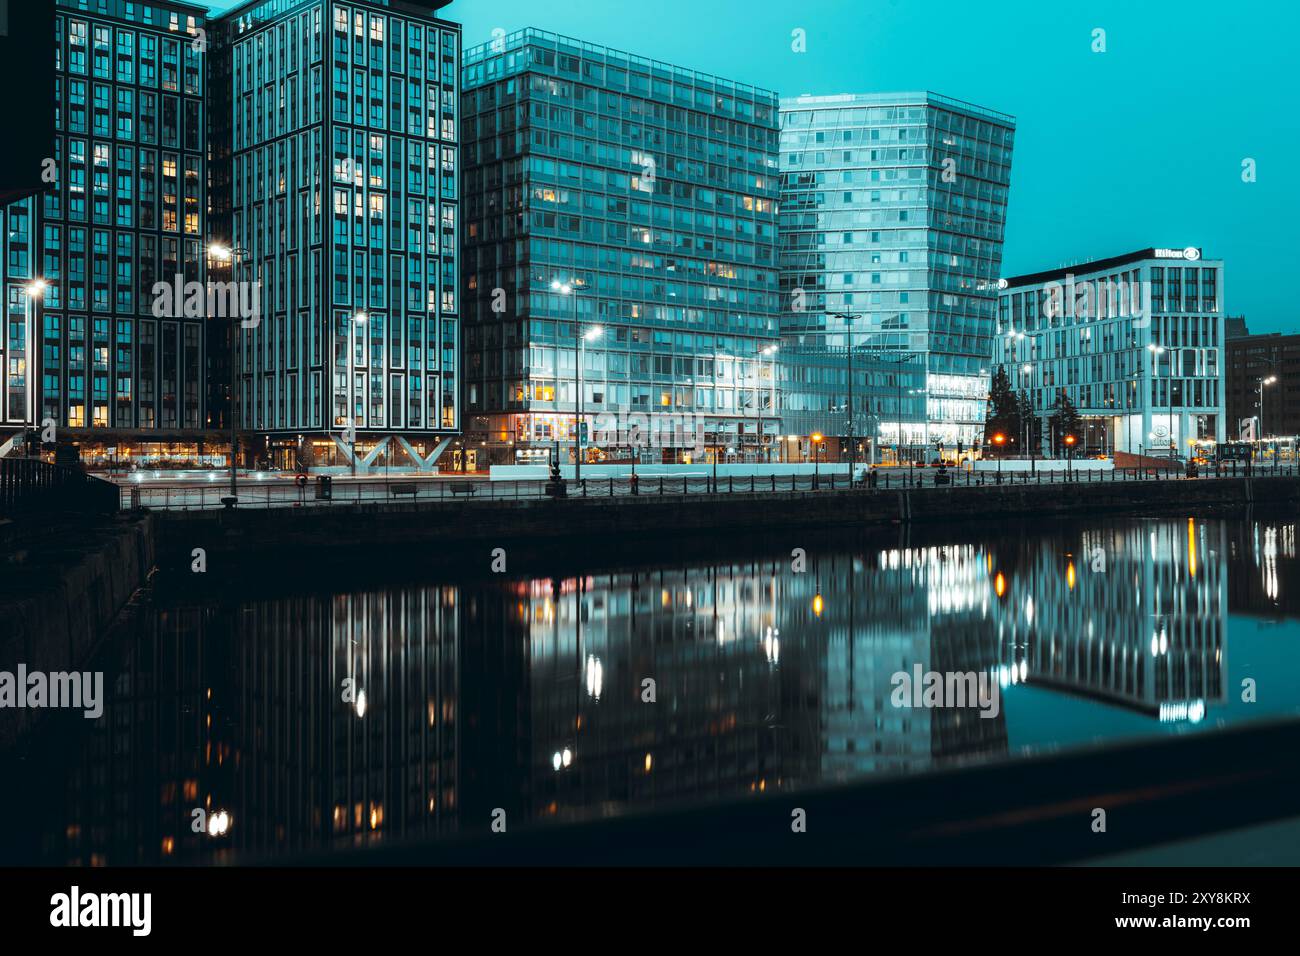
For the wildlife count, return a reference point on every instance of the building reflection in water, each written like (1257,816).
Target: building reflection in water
(1273,589)
(1135,616)
(321,722)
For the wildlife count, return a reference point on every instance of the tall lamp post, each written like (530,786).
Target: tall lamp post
(770,351)
(236,256)
(1027,374)
(848,318)
(572,288)
(1157,351)
(816,438)
(905,355)
(34,292)
(1173,442)
(1260,383)
(358,328)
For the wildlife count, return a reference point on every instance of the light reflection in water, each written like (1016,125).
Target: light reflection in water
(314,722)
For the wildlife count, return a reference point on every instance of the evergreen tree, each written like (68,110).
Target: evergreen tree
(1028,423)
(1065,421)
(1003,411)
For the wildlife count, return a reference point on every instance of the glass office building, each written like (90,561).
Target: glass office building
(814,386)
(893,208)
(650,192)
(1135,341)
(338,197)
(84,347)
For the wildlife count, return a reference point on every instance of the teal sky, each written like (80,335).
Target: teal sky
(1139,146)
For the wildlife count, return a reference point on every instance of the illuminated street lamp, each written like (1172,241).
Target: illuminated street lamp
(999,440)
(817,439)
(235,257)
(572,288)
(1069,457)
(1156,351)
(1260,383)
(770,351)
(35,292)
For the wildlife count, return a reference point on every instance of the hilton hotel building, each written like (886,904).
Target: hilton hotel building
(1135,340)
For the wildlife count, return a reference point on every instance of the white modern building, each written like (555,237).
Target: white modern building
(1136,341)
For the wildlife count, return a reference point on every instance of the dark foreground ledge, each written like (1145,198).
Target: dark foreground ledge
(1030,811)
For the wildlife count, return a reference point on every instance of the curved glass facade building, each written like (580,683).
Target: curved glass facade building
(893,209)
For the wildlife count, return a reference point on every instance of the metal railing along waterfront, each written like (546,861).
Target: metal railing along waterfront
(32,486)
(285,492)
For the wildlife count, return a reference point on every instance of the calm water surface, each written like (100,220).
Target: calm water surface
(376,713)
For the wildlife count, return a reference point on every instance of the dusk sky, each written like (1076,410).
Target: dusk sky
(1139,146)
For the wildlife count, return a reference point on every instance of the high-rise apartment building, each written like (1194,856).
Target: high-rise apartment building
(85,349)
(893,208)
(321,138)
(1134,341)
(339,199)
(624,210)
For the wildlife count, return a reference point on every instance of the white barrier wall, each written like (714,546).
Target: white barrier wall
(740,470)
(1043,464)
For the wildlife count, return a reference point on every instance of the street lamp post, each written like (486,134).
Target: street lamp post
(848,318)
(999,440)
(1027,372)
(34,290)
(1069,457)
(358,321)
(1156,351)
(583,338)
(905,356)
(770,352)
(572,288)
(1173,442)
(236,256)
(816,438)
(1260,382)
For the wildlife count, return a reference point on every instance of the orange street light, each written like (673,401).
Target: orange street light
(999,439)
